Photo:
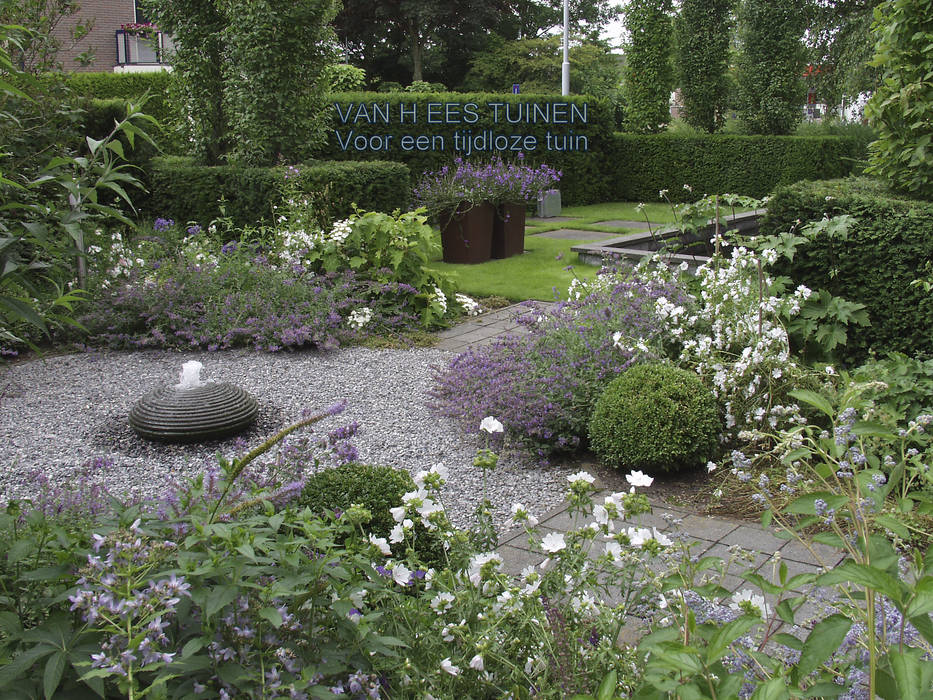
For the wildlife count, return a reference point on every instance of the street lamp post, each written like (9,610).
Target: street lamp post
(565,66)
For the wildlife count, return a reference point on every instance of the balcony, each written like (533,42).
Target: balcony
(142,50)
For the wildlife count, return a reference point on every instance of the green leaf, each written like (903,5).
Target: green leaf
(922,602)
(218,598)
(52,675)
(862,575)
(911,673)
(775,689)
(727,634)
(607,688)
(272,615)
(823,640)
(813,399)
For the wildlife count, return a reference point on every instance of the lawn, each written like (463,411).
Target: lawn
(541,269)
(532,275)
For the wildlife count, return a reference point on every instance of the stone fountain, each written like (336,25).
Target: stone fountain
(193,410)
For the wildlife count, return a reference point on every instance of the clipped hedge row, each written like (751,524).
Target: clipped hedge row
(642,165)
(427,131)
(884,252)
(128,86)
(182,190)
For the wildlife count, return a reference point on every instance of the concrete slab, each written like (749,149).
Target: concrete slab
(570,234)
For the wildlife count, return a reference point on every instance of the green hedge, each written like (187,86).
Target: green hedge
(643,165)
(184,191)
(585,178)
(884,252)
(128,86)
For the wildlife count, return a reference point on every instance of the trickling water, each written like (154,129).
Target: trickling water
(190,375)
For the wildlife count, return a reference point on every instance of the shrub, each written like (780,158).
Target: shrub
(655,417)
(648,75)
(376,488)
(185,191)
(902,105)
(874,265)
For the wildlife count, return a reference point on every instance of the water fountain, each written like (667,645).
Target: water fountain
(193,410)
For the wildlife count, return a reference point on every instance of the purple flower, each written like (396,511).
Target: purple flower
(161,224)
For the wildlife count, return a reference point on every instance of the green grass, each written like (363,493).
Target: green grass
(532,275)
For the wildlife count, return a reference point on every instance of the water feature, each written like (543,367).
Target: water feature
(193,410)
(694,248)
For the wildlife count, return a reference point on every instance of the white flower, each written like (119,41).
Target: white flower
(360,317)
(751,598)
(581,476)
(491,425)
(446,665)
(614,550)
(397,534)
(475,571)
(710,467)
(381,543)
(401,574)
(553,542)
(639,479)
(442,602)
(476,663)
(829,370)
(398,513)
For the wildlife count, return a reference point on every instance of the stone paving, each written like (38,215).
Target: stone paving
(709,535)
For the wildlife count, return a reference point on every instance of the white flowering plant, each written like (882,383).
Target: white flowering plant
(856,628)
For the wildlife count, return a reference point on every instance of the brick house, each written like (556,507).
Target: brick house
(119,43)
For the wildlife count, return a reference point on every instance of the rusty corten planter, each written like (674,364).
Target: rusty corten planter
(466,234)
(508,231)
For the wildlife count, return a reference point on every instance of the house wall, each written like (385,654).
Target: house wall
(108,16)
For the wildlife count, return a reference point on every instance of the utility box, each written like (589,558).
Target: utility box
(549,204)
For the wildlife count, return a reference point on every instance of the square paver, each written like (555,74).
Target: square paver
(706,527)
(754,537)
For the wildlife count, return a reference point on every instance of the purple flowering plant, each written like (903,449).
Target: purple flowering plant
(495,181)
(542,385)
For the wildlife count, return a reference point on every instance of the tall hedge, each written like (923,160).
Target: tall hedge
(185,191)
(585,176)
(750,165)
(884,252)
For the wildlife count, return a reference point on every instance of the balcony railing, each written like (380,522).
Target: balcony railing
(148,48)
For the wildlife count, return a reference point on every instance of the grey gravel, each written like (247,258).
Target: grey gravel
(58,412)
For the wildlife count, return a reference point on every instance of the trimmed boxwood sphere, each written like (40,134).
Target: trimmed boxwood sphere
(655,417)
(376,488)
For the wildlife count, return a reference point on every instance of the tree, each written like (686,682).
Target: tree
(37,51)
(771,64)
(536,65)
(703,31)
(251,74)
(390,38)
(902,107)
(409,40)
(648,76)
(841,45)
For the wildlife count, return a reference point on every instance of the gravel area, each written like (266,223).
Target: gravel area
(58,412)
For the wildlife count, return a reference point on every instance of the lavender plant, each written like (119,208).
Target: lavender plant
(542,385)
(495,181)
